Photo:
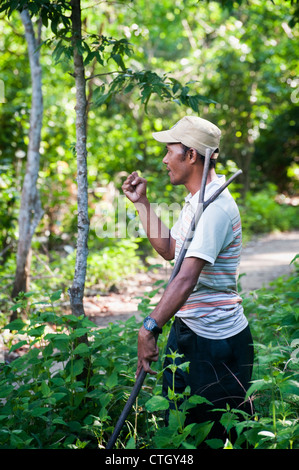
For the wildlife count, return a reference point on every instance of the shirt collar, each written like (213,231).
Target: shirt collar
(209,191)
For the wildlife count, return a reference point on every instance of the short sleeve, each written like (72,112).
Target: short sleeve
(213,233)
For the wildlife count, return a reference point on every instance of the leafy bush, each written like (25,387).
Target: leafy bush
(113,263)
(273,314)
(108,266)
(262,214)
(68,384)
(71,380)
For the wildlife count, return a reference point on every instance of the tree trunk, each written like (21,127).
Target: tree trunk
(30,210)
(76,292)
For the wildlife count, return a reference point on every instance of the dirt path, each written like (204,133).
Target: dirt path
(263,260)
(266,258)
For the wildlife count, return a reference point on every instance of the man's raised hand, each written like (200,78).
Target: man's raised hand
(134,187)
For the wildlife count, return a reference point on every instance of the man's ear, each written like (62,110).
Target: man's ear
(192,155)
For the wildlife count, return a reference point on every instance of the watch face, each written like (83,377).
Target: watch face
(149,323)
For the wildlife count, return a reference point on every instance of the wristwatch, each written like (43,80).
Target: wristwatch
(150,324)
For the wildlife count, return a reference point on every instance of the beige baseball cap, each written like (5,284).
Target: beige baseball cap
(193,132)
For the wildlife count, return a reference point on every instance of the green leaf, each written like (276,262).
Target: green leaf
(201,430)
(215,443)
(131,443)
(157,403)
(59,395)
(229,420)
(17,325)
(59,340)
(79,332)
(39,411)
(195,400)
(45,389)
(17,345)
(193,100)
(118,59)
(102,99)
(55,296)
(59,421)
(78,367)
(184,366)
(74,426)
(36,332)
(112,380)
(81,349)
(57,337)
(5,390)
(163,437)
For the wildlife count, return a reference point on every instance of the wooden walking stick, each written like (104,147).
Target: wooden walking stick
(202,205)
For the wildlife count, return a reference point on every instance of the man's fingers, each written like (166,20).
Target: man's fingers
(128,183)
(145,363)
(132,180)
(134,186)
(146,367)
(132,177)
(137,180)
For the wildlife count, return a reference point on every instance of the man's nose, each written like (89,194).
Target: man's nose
(165,159)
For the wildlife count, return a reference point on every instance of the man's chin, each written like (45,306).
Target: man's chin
(174,182)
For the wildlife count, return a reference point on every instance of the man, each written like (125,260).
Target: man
(210,328)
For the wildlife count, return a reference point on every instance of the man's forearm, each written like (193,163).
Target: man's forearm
(178,291)
(156,231)
(173,298)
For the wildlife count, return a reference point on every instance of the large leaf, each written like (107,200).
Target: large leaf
(157,403)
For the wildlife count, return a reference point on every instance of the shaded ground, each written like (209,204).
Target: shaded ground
(123,304)
(263,260)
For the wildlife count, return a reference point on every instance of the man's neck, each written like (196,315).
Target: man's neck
(194,183)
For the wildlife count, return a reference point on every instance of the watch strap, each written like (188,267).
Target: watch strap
(150,324)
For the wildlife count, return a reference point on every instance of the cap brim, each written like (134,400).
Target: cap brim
(164,136)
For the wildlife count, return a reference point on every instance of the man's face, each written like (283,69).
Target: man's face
(176,164)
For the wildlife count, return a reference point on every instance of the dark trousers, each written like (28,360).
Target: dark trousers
(219,370)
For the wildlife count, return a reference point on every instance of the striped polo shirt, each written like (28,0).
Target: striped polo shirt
(214,309)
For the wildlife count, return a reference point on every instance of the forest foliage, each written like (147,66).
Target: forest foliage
(235,63)
(47,402)
(244,60)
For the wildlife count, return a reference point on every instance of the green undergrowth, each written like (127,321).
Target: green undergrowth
(261,213)
(70,380)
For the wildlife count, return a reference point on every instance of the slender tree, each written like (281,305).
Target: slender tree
(30,210)
(76,292)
